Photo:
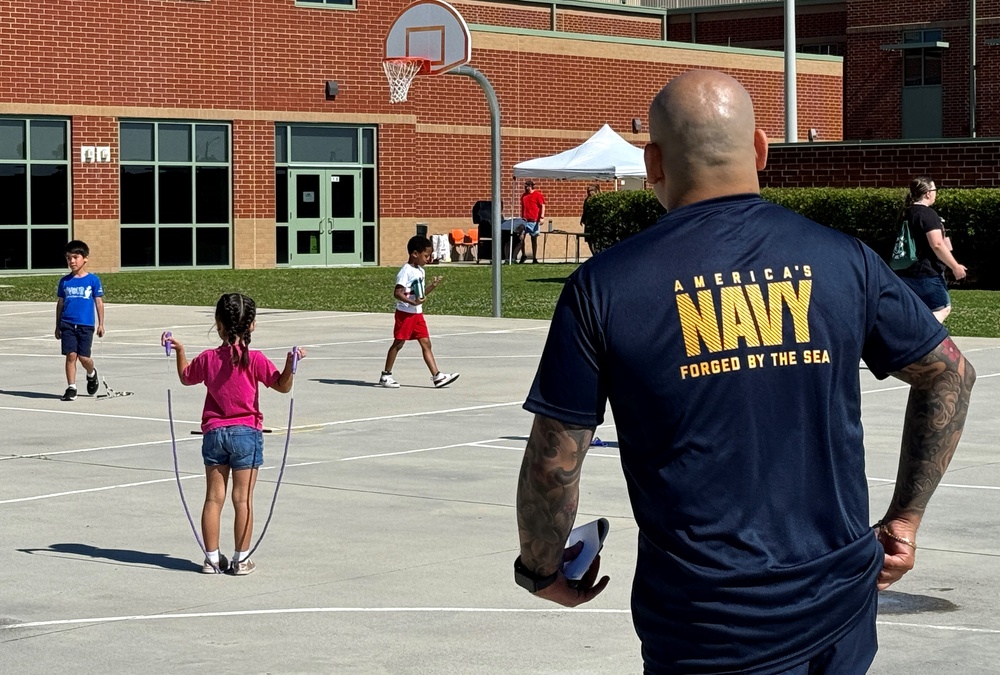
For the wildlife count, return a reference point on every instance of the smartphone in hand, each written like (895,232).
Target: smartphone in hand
(592,535)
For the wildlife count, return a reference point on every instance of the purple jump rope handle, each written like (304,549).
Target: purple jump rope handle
(295,359)
(167,335)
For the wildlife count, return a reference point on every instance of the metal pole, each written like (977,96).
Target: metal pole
(497,244)
(791,97)
(972,68)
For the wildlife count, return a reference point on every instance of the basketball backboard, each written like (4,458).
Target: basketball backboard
(432,30)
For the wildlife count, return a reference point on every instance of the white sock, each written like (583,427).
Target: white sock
(240,556)
(213,556)
(92,373)
(71,386)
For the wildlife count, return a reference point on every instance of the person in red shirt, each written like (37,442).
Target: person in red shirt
(533,212)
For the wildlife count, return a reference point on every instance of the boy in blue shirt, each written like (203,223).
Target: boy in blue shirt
(81,297)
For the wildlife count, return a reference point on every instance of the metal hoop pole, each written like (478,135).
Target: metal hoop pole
(491,98)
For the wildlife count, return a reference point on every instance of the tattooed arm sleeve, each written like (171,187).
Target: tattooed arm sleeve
(548,491)
(941,384)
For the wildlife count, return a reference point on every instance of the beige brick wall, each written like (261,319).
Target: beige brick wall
(103,239)
(253,243)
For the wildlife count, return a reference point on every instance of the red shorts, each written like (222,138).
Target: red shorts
(410,326)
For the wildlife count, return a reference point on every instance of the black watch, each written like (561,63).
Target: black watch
(527,579)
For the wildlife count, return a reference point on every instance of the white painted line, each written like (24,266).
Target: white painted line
(497,447)
(317,610)
(942,485)
(37,311)
(405,415)
(399,610)
(87,414)
(906,386)
(963,629)
(98,489)
(102,447)
(410,452)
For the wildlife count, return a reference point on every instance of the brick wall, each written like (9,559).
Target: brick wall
(950,164)
(254,64)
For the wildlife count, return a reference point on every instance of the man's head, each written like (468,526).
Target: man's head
(529,185)
(703,140)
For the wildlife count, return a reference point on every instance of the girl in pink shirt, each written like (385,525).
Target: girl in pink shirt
(231,423)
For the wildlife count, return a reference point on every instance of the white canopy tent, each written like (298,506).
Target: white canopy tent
(603,156)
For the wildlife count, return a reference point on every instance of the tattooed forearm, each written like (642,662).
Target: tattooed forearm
(548,490)
(935,417)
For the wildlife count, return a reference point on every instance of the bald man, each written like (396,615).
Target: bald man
(727,338)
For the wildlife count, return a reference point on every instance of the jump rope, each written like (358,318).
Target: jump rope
(281,471)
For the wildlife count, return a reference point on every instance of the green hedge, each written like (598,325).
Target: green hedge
(870,214)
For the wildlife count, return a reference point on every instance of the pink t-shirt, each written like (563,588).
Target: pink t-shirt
(232,398)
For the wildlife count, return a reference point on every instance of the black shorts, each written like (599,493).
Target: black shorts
(76,338)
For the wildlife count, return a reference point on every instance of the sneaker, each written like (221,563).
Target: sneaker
(70,394)
(241,568)
(387,382)
(444,379)
(93,383)
(209,568)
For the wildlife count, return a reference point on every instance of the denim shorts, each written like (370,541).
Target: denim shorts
(932,290)
(531,228)
(76,339)
(241,447)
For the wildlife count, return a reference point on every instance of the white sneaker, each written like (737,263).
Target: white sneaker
(387,382)
(444,379)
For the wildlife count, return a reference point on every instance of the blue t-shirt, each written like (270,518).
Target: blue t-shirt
(78,294)
(727,339)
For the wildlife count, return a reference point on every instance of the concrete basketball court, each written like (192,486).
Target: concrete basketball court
(394,531)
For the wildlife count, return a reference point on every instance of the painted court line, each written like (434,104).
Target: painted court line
(397,610)
(89,414)
(406,415)
(102,447)
(943,485)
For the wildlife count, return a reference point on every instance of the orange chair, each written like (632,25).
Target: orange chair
(472,242)
(459,249)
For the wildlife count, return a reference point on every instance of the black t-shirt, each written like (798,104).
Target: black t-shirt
(923,219)
(727,339)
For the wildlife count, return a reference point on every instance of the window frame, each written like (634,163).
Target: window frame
(193,163)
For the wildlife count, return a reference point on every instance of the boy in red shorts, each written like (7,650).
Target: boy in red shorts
(411,291)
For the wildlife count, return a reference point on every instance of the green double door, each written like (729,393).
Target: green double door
(324,220)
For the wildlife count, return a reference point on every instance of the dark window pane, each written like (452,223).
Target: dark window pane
(175,195)
(138,246)
(48,139)
(176,247)
(136,142)
(342,241)
(281,195)
(913,75)
(933,35)
(11,139)
(280,144)
(932,66)
(13,194)
(49,195)
(307,243)
(212,244)
(324,144)
(367,146)
(173,143)
(307,195)
(368,195)
(14,249)
(368,244)
(913,36)
(138,195)
(342,196)
(211,143)
(281,245)
(212,194)
(47,248)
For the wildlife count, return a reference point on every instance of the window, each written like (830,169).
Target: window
(921,65)
(176,194)
(34,191)
(331,4)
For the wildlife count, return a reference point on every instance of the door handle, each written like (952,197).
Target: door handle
(330,222)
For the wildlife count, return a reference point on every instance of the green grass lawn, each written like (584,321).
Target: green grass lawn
(529,291)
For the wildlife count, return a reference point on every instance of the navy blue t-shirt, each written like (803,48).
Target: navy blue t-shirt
(727,339)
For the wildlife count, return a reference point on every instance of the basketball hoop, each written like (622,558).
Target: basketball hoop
(400,73)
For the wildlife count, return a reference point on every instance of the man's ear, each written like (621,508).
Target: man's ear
(760,148)
(654,163)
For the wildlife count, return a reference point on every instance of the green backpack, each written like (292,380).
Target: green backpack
(904,251)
